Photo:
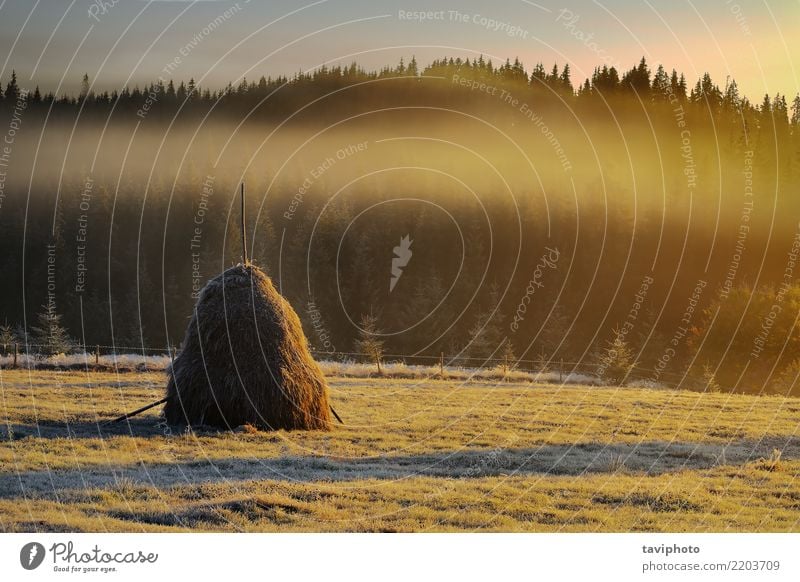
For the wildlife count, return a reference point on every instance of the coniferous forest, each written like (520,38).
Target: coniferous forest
(639,223)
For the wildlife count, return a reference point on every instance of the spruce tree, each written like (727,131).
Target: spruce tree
(486,335)
(368,343)
(49,336)
(508,356)
(566,82)
(710,383)
(661,84)
(84,87)
(6,337)
(796,111)
(616,360)
(12,89)
(413,69)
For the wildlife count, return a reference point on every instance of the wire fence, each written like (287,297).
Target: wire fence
(34,355)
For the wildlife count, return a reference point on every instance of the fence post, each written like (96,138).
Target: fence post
(16,351)
(97,355)
(561,371)
(441,364)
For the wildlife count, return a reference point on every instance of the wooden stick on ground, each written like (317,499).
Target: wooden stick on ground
(163,400)
(336,415)
(135,412)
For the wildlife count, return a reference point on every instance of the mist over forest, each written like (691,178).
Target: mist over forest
(639,212)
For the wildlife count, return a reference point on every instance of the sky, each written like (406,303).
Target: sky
(52,43)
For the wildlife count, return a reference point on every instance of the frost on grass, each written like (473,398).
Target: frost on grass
(345,369)
(414,454)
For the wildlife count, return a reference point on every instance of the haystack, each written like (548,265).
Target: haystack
(245,360)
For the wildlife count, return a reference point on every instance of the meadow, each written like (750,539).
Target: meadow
(414,454)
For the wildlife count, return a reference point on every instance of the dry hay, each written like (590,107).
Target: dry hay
(245,360)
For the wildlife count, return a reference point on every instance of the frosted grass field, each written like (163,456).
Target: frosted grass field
(347,369)
(414,455)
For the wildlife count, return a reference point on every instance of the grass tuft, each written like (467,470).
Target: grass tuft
(771,463)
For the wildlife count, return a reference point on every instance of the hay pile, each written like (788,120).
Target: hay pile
(245,360)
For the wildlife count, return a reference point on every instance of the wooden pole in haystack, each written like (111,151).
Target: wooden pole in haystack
(441,363)
(244,231)
(16,351)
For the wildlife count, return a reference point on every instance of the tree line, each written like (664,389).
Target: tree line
(275,96)
(590,307)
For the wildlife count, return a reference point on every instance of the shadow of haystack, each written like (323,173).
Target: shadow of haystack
(245,360)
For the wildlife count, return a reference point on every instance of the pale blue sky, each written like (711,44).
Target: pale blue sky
(754,41)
